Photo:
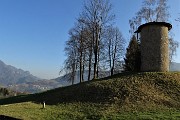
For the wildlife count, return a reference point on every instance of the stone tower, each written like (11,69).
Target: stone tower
(154,46)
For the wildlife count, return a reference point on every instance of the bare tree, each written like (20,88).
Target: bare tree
(85,47)
(114,47)
(153,10)
(178,19)
(80,33)
(173,45)
(70,66)
(161,11)
(75,51)
(97,15)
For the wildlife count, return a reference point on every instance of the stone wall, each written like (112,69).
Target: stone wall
(154,48)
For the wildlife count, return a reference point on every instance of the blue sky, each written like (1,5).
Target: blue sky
(33,32)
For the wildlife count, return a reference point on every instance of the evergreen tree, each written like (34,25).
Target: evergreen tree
(133,57)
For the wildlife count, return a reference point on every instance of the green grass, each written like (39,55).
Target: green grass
(142,96)
(81,111)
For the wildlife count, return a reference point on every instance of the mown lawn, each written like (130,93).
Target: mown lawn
(81,111)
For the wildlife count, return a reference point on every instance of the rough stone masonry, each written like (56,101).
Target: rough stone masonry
(154,46)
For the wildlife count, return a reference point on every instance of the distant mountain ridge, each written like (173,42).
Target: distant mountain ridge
(11,75)
(23,81)
(175,66)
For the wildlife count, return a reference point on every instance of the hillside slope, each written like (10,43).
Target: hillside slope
(131,91)
(23,81)
(10,75)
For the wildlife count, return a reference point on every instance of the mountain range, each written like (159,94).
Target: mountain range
(175,66)
(23,81)
(11,75)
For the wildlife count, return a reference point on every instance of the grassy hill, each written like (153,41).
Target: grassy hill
(127,95)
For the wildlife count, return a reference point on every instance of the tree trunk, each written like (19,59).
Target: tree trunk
(83,67)
(73,71)
(114,57)
(109,51)
(98,65)
(95,63)
(96,54)
(81,62)
(90,62)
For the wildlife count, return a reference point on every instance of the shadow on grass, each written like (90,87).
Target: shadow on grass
(74,93)
(3,117)
(82,92)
